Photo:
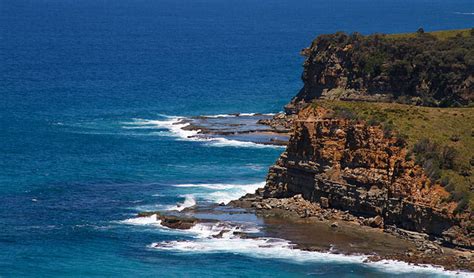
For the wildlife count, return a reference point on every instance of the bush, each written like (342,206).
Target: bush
(455,138)
(463,204)
(465,171)
(373,122)
(433,158)
(345,113)
(448,157)
(401,140)
(445,182)
(387,130)
(425,149)
(432,169)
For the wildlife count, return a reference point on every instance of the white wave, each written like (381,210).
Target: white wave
(209,230)
(220,116)
(188,202)
(175,126)
(237,115)
(221,238)
(224,192)
(146,220)
(223,142)
(218,186)
(464,13)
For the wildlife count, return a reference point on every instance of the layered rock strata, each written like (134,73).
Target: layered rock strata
(355,167)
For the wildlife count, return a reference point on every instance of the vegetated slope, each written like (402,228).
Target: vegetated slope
(441,140)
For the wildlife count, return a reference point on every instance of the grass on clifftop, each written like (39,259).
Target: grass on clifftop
(440,35)
(439,139)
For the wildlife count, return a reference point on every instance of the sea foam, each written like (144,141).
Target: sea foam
(189,201)
(140,221)
(223,192)
(238,115)
(175,126)
(222,238)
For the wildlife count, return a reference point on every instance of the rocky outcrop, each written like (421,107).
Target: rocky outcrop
(172,221)
(420,69)
(351,166)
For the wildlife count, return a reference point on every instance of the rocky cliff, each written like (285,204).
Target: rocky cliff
(421,68)
(352,166)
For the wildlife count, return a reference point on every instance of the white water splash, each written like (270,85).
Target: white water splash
(223,192)
(238,115)
(189,201)
(140,221)
(175,127)
(222,238)
(173,124)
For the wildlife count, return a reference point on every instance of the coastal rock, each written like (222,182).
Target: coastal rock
(172,221)
(355,167)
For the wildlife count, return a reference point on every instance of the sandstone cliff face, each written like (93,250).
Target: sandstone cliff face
(419,70)
(354,167)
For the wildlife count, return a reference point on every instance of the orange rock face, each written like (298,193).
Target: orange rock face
(355,167)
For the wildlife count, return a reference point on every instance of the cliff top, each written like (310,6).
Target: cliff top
(429,69)
(440,35)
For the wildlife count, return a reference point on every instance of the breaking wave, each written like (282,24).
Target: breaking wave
(223,192)
(175,127)
(140,221)
(188,202)
(225,238)
(463,13)
(238,115)
(173,124)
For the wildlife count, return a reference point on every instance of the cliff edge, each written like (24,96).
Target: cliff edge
(431,69)
(383,129)
(353,166)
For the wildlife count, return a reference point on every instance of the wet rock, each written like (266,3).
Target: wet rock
(334,225)
(171,221)
(175,222)
(240,234)
(220,234)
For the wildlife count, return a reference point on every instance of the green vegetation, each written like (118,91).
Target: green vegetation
(440,35)
(429,69)
(439,139)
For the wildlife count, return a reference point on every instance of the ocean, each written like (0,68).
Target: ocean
(89,92)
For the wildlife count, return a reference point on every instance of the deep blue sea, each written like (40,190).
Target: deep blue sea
(89,90)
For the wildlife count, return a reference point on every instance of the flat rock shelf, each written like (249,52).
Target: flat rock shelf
(239,127)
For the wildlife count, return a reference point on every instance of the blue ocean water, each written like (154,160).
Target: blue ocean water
(88,89)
